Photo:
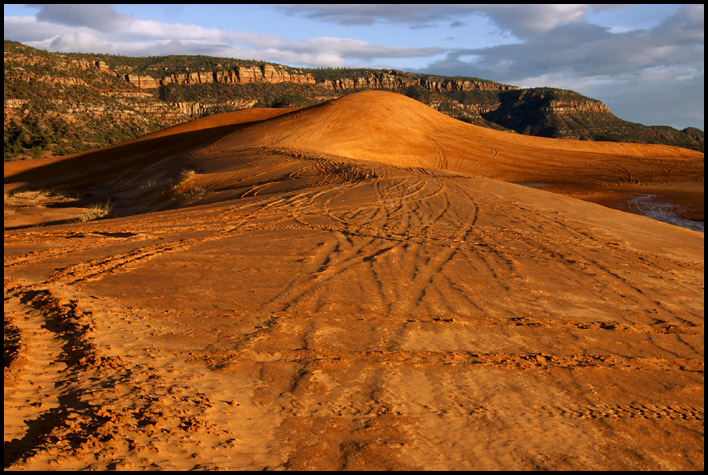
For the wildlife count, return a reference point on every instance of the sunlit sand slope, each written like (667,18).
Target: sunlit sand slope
(395,129)
(308,303)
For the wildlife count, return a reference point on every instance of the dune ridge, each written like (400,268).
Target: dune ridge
(375,115)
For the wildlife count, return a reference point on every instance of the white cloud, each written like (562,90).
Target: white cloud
(657,96)
(28,29)
(369,14)
(147,37)
(519,19)
(662,66)
(528,20)
(98,17)
(83,41)
(358,48)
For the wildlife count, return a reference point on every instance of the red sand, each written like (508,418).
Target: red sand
(352,286)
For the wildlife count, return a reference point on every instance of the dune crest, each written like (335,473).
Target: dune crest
(378,124)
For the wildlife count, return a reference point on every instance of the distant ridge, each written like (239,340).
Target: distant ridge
(65,103)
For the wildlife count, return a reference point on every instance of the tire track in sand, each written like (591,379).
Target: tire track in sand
(364,252)
(440,161)
(88,405)
(345,249)
(29,394)
(519,361)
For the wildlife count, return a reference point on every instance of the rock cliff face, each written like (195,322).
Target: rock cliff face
(266,73)
(62,103)
(143,82)
(178,85)
(566,114)
(392,81)
(85,64)
(576,106)
(200,109)
(551,113)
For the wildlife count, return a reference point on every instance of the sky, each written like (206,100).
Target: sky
(645,61)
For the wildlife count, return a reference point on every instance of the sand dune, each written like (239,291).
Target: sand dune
(354,285)
(394,129)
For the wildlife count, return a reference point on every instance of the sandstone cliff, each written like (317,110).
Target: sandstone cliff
(566,114)
(264,73)
(267,73)
(330,88)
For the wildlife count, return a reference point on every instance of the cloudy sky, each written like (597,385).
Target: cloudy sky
(645,62)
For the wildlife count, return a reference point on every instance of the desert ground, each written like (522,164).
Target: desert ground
(365,284)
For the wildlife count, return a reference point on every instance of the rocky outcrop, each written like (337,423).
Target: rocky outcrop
(50,79)
(102,67)
(480,108)
(86,64)
(186,79)
(264,73)
(267,73)
(576,106)
(199,109)
(193,109)
(560,101)
(143,82)
(59,104)
(394,80)
(563,113)
(370,81)
(449,85)
(273,75)
(15,103)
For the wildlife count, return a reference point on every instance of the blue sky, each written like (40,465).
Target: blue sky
(645,62)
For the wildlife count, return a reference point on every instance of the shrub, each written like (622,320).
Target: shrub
(97,211)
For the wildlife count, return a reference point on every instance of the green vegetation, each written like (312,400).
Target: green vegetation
(333,74)
(262,94)
(158,66)
(56,104)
